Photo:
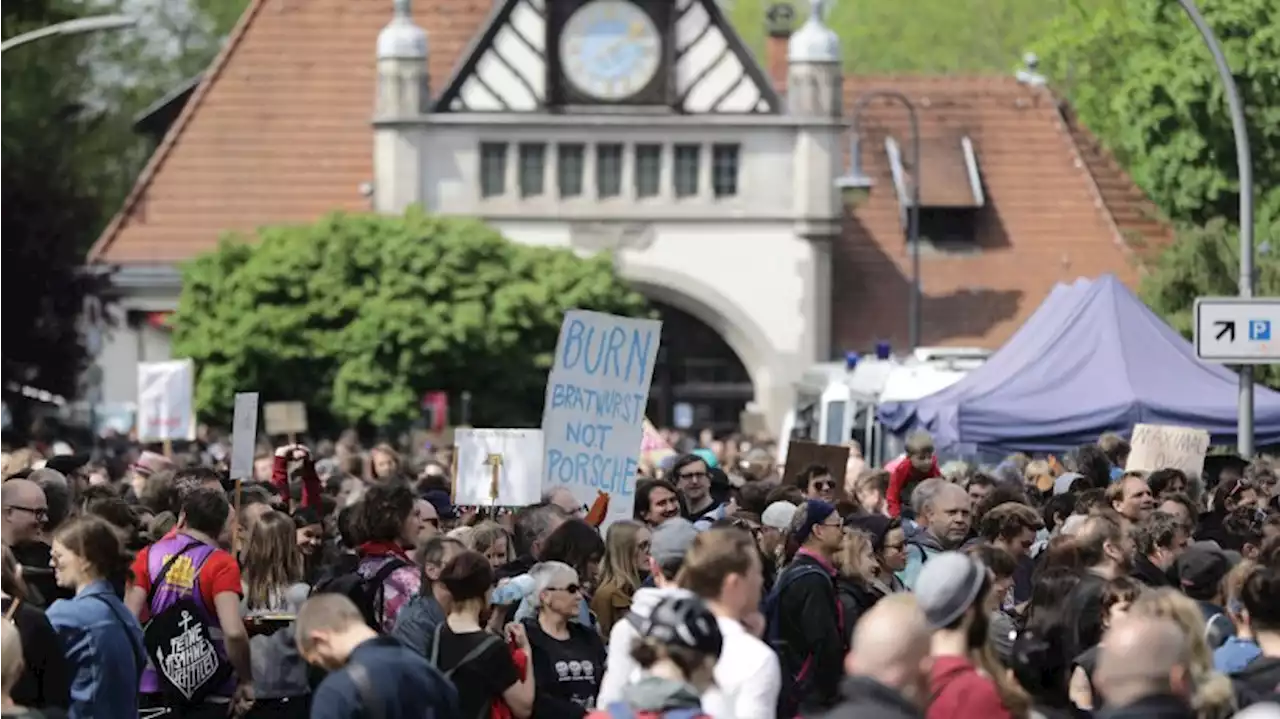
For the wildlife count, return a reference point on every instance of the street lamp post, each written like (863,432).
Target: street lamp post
(79,26)
(1244,165)
(856,182)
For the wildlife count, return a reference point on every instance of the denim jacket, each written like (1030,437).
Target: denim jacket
(103,644)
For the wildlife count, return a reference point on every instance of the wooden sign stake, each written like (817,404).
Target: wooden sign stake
(168,448)
(453,475)
(495,463)
(235,536)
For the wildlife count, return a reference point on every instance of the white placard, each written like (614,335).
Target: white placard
(244,435)
(165,408)
(1157,446)
(515,453)
(594,414)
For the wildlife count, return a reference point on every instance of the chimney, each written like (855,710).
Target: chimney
(780,21)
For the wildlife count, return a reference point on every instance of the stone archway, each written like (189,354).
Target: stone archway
(697,305)
(699,381)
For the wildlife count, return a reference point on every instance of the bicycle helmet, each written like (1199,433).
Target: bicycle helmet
(684,622)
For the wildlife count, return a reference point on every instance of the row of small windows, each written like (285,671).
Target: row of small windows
(571,167)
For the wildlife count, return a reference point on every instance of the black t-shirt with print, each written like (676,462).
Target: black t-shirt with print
(566,672)
(481,680)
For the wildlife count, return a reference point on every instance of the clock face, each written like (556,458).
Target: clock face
(610,49)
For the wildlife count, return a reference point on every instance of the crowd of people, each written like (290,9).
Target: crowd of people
(342,582)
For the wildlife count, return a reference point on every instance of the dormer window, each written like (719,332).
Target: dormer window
(951,194)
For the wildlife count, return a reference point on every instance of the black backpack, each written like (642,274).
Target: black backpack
(433,656)
(365,593)
(180,645)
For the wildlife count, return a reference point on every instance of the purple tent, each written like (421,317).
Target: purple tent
(1092,359)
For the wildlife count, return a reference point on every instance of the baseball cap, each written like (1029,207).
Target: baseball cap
(778,515)
(876,525)
(947,586)
(1201,569)
(671,540)
(1063,483)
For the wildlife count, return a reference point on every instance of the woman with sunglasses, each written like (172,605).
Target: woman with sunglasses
(568,658)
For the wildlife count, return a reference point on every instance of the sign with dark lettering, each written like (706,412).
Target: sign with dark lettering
(593,419)
(1157,446)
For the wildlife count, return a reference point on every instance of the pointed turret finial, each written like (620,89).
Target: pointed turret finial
(814,41)
(401,38)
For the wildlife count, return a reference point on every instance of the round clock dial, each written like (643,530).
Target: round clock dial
(610,49)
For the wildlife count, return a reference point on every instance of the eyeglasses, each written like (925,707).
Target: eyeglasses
(571,589)
(40,513)
(692,475)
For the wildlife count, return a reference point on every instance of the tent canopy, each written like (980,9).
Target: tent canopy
(1093,358)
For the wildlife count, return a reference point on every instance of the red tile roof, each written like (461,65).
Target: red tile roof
(1047,217)
(279,130)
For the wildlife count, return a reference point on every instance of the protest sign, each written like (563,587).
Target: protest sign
(165,409)
(801,454)
(244,434)
(1157,446)
(511,456)
(594,415)
(285,418)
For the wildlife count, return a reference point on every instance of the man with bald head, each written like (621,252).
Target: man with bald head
(888,664)
(25,511)
(1143,670)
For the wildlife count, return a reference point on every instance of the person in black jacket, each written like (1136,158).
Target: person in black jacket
(888,664)
(45,680)
(804,613)
(1159,541)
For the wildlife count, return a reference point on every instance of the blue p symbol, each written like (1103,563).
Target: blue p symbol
(1260,330)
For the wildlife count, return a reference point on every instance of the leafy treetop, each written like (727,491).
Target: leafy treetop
(359,315)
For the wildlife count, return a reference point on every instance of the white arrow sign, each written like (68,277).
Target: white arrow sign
(1233,330)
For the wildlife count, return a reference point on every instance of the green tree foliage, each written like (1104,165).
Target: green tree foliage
(922,36)
(360,314)
(1139,75)
(54,167)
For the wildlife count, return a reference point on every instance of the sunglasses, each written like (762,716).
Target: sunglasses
(824,484)
(571,589)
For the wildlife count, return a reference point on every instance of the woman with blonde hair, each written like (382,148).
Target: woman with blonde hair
(626,552)
(856,567)
(272,574)
(384,463)
(1213,696)
(490,539)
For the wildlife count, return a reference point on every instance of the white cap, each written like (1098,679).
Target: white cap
(814,41)
(401,38)
(778,515)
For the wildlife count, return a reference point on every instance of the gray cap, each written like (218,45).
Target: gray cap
(778,515)
(671,539)
(947,586)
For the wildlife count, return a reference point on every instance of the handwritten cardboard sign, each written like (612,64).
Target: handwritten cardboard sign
(284,418)
(594,415)
(165,409)
(1157,446)
(513,455)
(801,454)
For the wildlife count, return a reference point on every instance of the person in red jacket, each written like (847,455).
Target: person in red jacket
(953,591)
(919,464)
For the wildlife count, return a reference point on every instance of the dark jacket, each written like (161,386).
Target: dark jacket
(856,597)
(811,636)
(1145,571)
(866,698)
(385,672)
(1160,706)
(1258,682)
(45,680)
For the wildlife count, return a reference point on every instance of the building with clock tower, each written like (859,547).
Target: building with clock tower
(646,128)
